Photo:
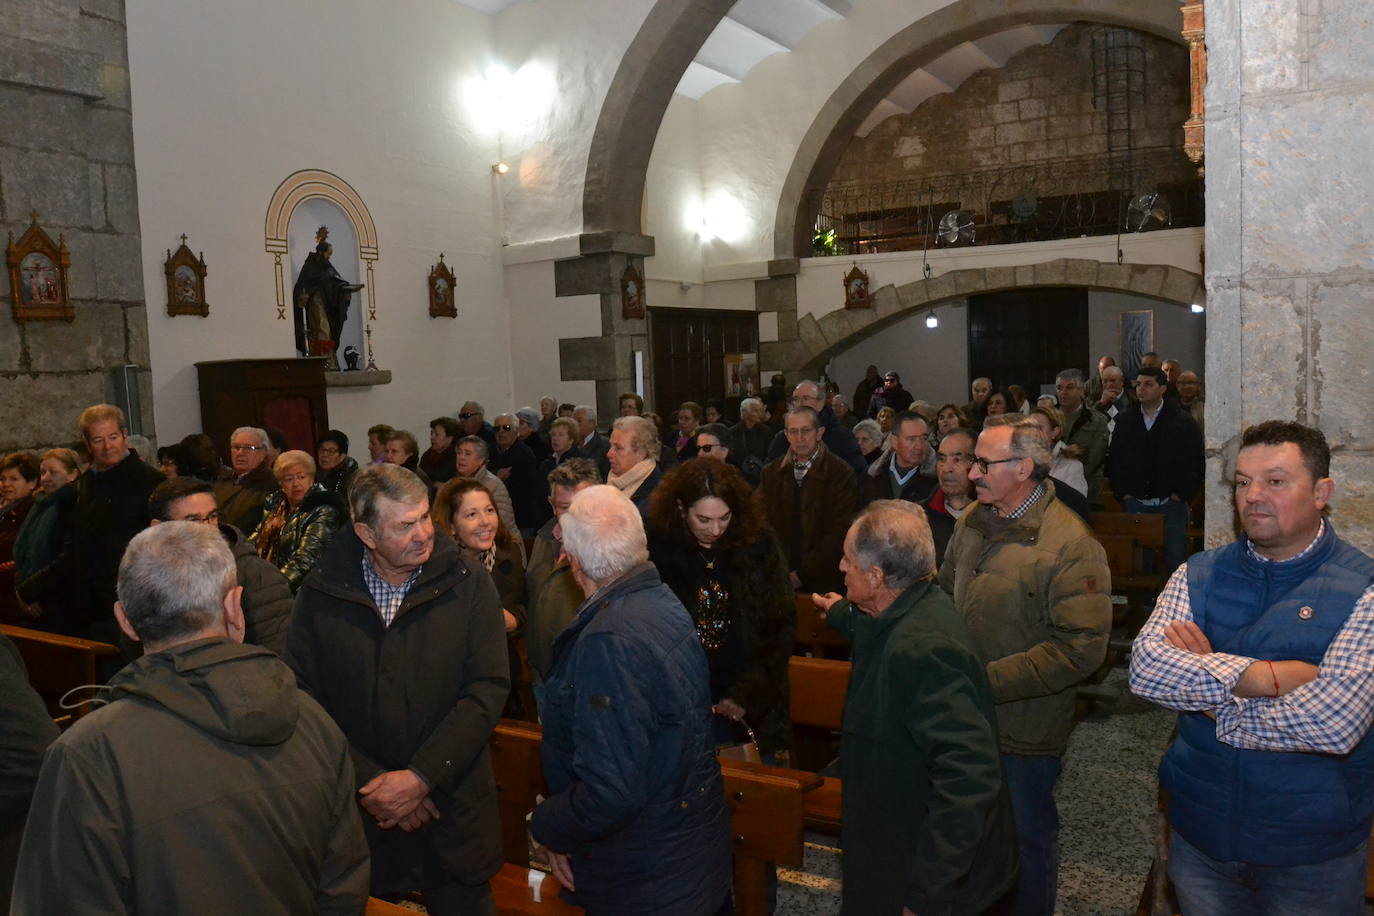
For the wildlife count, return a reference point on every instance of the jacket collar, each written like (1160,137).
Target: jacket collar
(340,571)
(981,517)
(1295,568)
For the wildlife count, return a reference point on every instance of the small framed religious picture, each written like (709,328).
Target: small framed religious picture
(38,275)
(631,293)
(741,375)
(185,282)
(856,289)
(441,291)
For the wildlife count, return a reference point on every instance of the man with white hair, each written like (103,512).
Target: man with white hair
(927,822)
(636,820)
(591,443)
(207,775)
(240,498)
(632,459)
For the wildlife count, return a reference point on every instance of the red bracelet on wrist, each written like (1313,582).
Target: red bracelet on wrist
(1275,676)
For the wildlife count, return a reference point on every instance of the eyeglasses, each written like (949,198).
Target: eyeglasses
(982,464)
(505,427)
(468,416)
(245,448)
(328,450)
(211,519)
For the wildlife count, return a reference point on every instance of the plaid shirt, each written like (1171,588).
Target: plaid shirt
(1031,500)
(1327,715)
(387,596)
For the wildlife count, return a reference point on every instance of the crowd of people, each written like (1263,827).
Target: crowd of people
(318,646)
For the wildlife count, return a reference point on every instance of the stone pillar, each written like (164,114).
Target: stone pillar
(778,294)
(67,151)
(607,360)
(1290,238)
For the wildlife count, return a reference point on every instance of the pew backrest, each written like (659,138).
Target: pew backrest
(58,663)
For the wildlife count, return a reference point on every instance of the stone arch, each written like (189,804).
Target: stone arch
(312,183)
(821,338)
(913,47)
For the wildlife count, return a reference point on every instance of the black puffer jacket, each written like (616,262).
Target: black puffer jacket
(266,594)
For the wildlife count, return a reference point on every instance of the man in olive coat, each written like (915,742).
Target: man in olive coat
(927,822)
(404,645)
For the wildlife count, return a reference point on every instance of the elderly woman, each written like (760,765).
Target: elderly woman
(40,540)
(529,431)
(1067,467)
(713,548)
(634,459)
(465,511)
(999,403)
(562,446)
(18,479)
(950,417)
(885,415)
(336,468)
(870,437)
(298,520)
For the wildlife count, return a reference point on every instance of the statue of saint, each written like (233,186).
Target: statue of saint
(321,299)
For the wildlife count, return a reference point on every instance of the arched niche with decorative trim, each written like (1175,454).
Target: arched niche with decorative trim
(309,184)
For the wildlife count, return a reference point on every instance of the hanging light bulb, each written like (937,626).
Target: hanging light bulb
(931,321)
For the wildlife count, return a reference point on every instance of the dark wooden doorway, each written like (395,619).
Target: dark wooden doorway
(1026,337)
(689,347)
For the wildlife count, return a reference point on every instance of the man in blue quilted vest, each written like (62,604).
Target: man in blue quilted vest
(1266,648)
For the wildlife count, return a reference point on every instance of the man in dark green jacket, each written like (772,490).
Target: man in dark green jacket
(927,822)
(207,782)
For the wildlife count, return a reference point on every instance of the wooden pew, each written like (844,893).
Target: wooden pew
(818,688)
(57,664)
(765,823)
(814,636)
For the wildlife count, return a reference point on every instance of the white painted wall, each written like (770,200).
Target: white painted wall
(230,98)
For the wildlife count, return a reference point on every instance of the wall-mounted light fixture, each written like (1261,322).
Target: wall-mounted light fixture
(1197,308)
(932,322)
(501,168)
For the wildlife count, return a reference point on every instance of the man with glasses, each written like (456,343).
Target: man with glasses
(472,418)
(240,498)
(838,440)
(1032,583)
(513,461)
(267,597)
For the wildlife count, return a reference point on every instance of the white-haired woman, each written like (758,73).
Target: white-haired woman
(298,520)
(633,456)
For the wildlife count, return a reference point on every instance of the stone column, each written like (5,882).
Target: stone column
(608,360)
(1290,238)
(67,151)
(778,294)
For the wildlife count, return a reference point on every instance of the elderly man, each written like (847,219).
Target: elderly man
(472,418)
(1114,400)
(1266,649)
(1093,389)
(977,409)
(590,442)
(403,451)
(241,496)
(891,394)
(437,461)
(1085,428)
(552,596)
(809,497)
(1033,584)
(470,460)
(404,645)
(632,458)
(514,463)
(207,778)
(838,440)
(1190,398)
(840,405)
(1156,462)
(266,599)
(109,510)
(752,438)
(954,495)
(636,820)
(927,822)
(897,474)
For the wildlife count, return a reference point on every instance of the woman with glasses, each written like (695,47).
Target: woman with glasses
(298,520)
(336,469)
(713,548)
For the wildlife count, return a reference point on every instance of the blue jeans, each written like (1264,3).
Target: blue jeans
(1030,782)
(1207,887)
(1175,512)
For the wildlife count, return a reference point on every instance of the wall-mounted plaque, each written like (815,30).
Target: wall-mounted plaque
(38,275)
(856,289)
(441,291)
(185,282)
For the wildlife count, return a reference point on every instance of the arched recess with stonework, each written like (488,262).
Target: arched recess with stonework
(821,338)
(317,183)
(907,51)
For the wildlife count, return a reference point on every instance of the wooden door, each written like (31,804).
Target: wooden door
(1026,337)
(689,347)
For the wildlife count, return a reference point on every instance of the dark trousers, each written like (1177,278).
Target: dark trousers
(1030,782)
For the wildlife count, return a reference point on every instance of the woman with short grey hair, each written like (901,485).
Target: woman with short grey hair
(298,520)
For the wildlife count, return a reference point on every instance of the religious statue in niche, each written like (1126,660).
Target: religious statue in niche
(856,289)
(38,275)
(321,300)
(631,293)
(441,291)
(185,282)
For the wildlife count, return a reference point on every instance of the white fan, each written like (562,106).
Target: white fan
(956,228)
